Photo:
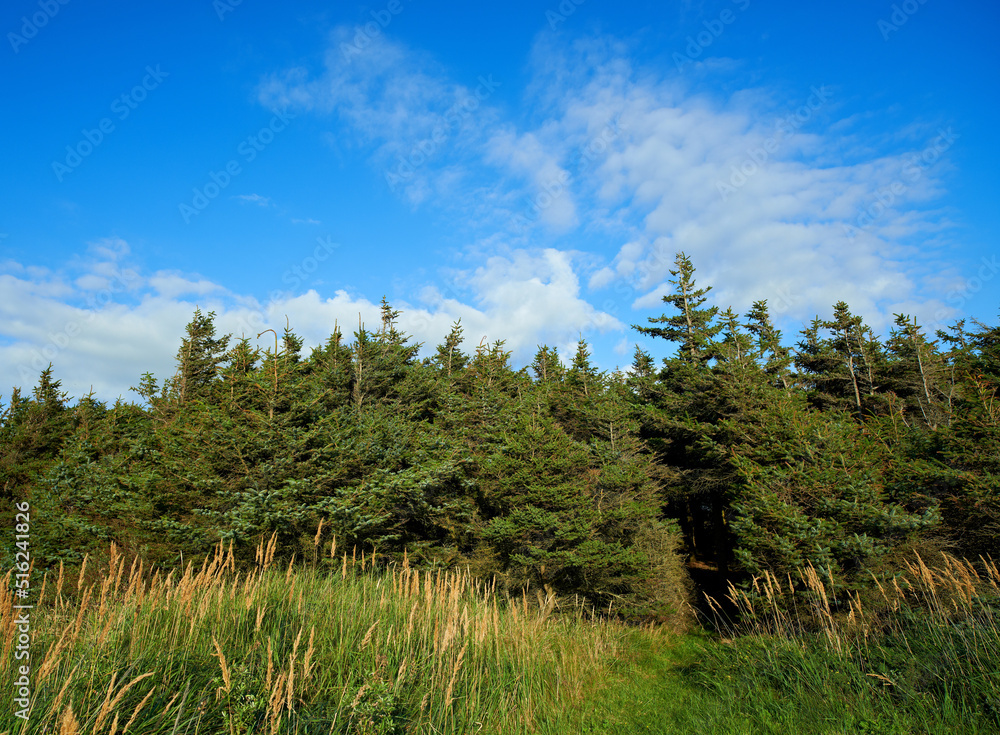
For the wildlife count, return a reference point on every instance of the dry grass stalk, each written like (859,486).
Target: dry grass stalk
(83,607)
(223,665)
(277,699)
(306,664)
(138,709)
(368,636)
(67,723)
(79,579)
(62,692)
(270,665)
(454,674)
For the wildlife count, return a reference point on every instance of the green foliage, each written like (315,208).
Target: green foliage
(374,709)
(813,492)
(198,359)
(691,327)
(556,475)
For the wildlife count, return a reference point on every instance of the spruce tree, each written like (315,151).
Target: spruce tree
(449,358)
(774,358)
(547,366)
(692,327)
(914,373)
(582,376)
(846,368)
(199,358)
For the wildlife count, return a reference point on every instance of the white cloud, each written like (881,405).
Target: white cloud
(750,186)
(171,285)
(755,191)
(260,201)
(768,206)
(106,339)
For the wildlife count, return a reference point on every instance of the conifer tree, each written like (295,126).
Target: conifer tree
(914,373)
(32,432)
(691,327)
(582,376)
(735,349)
(547,366)
(382,359)
(846,368)
(333,370)
(775,358)
(199,358)
(449,358)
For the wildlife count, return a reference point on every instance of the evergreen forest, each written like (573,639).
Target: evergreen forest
(730,481)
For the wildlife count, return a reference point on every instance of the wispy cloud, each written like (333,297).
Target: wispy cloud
(260,201)
(759,187)
(582,197)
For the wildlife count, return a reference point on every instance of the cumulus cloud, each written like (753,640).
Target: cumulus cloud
(103,334)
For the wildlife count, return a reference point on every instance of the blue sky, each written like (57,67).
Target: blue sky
(530,168)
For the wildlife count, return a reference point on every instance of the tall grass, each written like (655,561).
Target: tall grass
(920,654)
(340,645)
(327,647)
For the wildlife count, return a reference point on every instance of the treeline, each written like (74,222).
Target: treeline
(844,452)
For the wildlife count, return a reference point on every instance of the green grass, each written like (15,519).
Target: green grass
(694,684)
(927,660)
(305,650)
(333,647)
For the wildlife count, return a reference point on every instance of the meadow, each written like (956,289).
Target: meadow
(345,644)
